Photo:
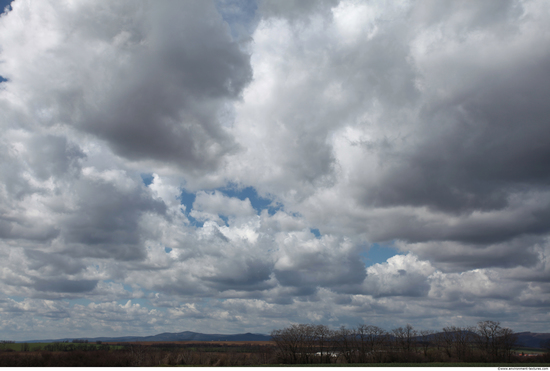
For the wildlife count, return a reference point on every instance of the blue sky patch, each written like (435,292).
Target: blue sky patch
(194,222)
(187,199)
(4,4)
(316,232)
(378,254)
(147,179)
(224,218)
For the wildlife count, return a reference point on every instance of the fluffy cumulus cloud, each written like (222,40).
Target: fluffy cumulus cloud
(240,165)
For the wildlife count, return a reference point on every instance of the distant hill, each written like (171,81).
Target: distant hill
(168,336)
(527,339)
(532,339)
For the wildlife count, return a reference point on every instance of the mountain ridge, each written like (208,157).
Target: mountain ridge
(527,339)
(166,336)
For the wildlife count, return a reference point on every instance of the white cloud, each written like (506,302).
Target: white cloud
(217,203)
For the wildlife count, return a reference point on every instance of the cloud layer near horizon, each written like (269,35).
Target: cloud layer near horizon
(230,166)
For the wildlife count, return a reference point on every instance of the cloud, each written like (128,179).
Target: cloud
(147,80)
(401,275)
(307,262)
(417,126)
(70,286)
(294,10)
(217,203)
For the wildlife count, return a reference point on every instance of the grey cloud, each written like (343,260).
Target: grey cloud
(107,221)
(20,228)
(486,139)
(54,310)
(53,156)
(251,274)
(295,9)
(65,286)
(53,264)
(535,302)
(468,17)
(12,166)
(468,288)
(324,263)
(153,92)
(452,256)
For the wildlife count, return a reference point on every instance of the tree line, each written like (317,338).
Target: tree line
(488,341)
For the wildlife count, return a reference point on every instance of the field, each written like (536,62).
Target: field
(209,353)
(18,347)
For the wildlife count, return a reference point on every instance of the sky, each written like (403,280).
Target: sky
(237,166)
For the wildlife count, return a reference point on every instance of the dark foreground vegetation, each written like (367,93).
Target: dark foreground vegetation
(136,354)
(487,343)
(317,344)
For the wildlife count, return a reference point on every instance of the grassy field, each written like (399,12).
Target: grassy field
(19,346)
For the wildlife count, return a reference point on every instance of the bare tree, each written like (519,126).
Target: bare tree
(405,338)
(375,338)
(323,337)
(307,341)
(361,345)
(410,338)
(507,340)
(398,343)
(427,340)
(462,340)
(495,341)
(447,340)
(345,342)
(288,343)
(300,343)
